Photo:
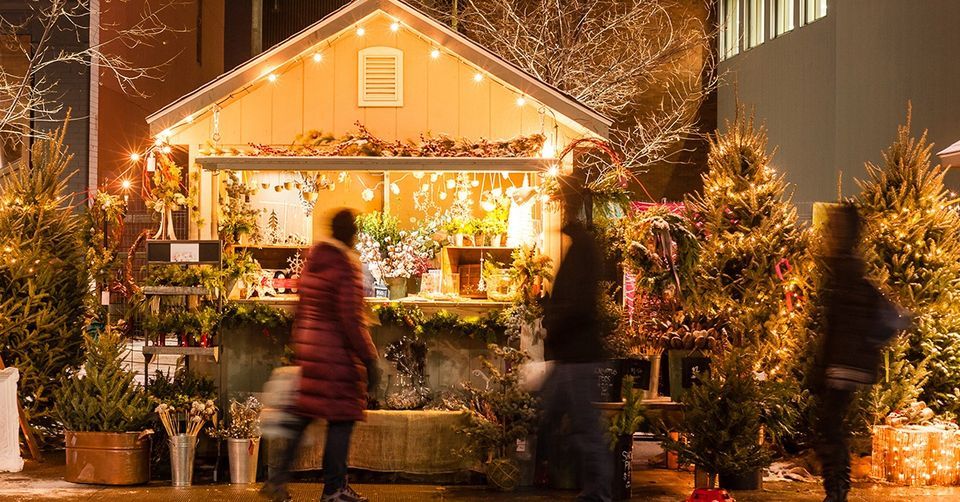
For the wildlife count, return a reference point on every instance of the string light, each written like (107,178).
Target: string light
(134,157)
(317,57)
(435,53)
(166,149)
(478,77)
(360,31)
(189,119)
(553,171)
(521,101)
(126,184)
(394,26)
(272,77)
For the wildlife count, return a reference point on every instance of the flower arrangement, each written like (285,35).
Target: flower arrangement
(194,414)
(167,190)
(390,252)
(244,420)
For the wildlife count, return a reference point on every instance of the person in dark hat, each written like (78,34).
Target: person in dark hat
(572,321)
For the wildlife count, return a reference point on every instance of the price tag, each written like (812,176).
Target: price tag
(105,297)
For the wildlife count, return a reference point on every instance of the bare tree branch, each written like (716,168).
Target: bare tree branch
(647,64)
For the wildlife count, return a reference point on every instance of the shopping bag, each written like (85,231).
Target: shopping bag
(279,396)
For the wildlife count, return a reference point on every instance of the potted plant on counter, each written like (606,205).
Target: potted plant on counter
(242,433)
(501,414)
(105,414)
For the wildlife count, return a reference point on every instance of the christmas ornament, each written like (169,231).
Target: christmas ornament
(367,195)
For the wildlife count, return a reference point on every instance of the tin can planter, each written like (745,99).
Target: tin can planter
(108,458)
(243,455)
(183,449)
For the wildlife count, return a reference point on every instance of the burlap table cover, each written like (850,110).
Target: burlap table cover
(414,442)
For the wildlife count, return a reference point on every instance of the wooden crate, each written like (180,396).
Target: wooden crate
(466,261)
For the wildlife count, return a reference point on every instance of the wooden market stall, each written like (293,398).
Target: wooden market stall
(379,108)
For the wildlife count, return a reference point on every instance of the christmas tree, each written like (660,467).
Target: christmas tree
(752,247)
(912,250)
(43,278)
(106,398)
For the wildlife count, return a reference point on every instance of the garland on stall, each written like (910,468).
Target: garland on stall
(363,143)
(487,328)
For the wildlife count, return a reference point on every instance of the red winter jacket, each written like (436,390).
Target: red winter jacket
(331,342)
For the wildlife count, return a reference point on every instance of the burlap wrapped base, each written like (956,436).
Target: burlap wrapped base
(414,442)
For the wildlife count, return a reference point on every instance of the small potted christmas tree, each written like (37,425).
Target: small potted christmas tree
(501,414)
(105,414)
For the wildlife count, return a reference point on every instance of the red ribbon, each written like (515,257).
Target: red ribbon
(779,268)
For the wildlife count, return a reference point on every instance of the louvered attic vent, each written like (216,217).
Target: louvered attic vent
(381,77)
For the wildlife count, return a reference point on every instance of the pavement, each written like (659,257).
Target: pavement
(43,482)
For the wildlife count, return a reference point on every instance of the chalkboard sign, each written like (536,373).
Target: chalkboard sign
(692,367)
(639,369)
(609,382)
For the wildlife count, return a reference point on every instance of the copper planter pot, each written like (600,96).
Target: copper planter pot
(108,458)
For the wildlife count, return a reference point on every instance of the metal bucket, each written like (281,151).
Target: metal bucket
(108,458)
(243,455)
(183,448)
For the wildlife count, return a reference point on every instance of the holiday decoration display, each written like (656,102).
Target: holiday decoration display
(363,143)
(659,249)
(912,252)
(43,278)
(916,455)
(390,252)
(409,355)
(166,193)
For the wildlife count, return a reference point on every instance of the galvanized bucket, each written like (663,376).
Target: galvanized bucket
(243,455)
(183,448)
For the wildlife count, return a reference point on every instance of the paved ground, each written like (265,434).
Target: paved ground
(43,483)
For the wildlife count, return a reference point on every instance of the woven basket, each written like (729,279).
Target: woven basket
(503,474)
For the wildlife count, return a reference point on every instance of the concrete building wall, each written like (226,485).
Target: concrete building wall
(833,92)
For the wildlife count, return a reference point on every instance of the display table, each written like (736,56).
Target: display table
(413,442)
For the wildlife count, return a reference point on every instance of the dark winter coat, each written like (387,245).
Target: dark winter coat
(571,314)
(860,321)
(330,338)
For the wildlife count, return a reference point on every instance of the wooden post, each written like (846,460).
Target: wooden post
(25,427)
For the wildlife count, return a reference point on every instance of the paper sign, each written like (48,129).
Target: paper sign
(184,252)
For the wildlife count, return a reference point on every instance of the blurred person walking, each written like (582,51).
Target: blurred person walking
(573,343)
(337,360)
(859,322)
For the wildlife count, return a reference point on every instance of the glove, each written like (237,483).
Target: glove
(373,376)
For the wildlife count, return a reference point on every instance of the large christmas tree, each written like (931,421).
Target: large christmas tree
(913,251)
(752,245)
(43,278)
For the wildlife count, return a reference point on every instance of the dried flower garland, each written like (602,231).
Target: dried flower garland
(363,143)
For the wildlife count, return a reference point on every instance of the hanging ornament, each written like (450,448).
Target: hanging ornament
(497,192)
(367,195)
(394,189)
(451,184)
(434,177)
(475,183)
(443,195)
(418,174)
(425,187)
(463,195)
(151,163)
(265,186)
(342,177)
(278,188)
(487,205)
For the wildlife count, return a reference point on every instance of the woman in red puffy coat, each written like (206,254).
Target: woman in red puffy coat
(337,359)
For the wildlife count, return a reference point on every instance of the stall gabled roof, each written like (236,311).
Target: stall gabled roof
(346,17)
(950,156)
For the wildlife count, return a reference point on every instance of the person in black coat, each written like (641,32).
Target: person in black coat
(571,319)
(859,322)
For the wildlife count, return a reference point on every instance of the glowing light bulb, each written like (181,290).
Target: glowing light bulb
(477,77)
(435,53)
(553,171)
(395,188)
(521,101)
(367,195)
(418,175)
(134,157)
(125,184)
(188,119)
(272,77)
(548,151)
(395,26)
(317,57)
(360,31)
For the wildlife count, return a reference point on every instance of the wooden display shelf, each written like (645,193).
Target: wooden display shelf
(470,259)
(151,350)
(176,290)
